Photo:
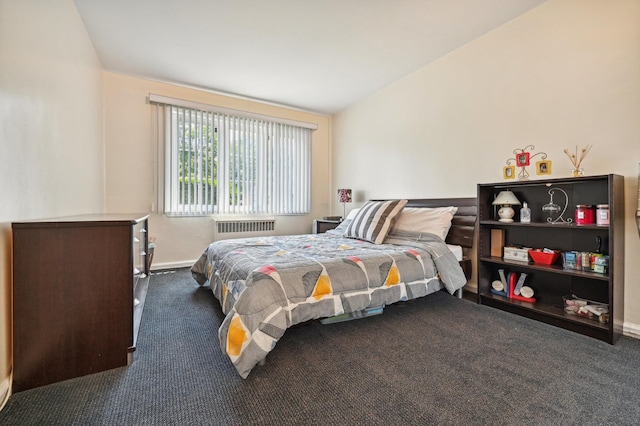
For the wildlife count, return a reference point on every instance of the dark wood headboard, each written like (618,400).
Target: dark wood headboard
(464,221)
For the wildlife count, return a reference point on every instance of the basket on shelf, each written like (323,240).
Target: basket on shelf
(544,257)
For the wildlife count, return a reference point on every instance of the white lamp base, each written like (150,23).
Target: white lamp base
(506,214)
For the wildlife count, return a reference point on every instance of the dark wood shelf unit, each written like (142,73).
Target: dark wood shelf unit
(496,223)
(74,283)
(552,282)
(547,268)
(550,314)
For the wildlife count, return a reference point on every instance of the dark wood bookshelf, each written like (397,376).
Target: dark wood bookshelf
(551,282)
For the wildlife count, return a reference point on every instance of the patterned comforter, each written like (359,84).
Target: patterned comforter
(266,285)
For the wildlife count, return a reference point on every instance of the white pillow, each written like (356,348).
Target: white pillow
(352,213)
(339,230)
(435,220)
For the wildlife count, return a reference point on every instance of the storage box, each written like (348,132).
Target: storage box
(570,260)
(601,264)
(544,258)
(497,242)
(516,253)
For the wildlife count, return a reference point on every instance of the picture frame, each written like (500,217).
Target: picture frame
(543,167)
(509,172)
(522,159)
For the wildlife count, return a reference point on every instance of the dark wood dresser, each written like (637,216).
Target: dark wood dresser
(78,285)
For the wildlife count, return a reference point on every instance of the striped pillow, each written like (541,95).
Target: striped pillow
(373,221)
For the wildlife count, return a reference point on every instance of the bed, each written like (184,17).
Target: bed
(385,252)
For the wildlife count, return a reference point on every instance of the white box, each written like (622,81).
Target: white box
(515,253)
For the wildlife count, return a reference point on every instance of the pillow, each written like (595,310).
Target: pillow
(339,230)
(373,221)
(433,220)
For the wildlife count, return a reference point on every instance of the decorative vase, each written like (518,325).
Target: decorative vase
(578,172)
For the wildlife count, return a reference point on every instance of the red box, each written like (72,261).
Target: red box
(544,258)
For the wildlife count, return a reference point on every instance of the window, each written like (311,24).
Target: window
(221,163)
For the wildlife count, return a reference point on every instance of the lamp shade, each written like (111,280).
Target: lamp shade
(344,195)
(506,198)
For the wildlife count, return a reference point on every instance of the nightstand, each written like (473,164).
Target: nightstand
(323,225)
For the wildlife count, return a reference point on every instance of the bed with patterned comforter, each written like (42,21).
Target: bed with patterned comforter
(266,285)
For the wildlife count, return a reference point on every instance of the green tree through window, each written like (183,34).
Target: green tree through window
(223,164)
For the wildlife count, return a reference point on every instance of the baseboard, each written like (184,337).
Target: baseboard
(631,330)
(172,265)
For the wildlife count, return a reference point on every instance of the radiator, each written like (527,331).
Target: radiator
(226,229)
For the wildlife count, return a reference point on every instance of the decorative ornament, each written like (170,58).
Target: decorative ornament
(522,158)
(577,161)
(552,208)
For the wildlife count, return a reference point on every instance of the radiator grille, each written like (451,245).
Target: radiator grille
(239,228)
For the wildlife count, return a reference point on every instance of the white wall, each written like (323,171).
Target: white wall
(131,160)
(51,148)
(566,73)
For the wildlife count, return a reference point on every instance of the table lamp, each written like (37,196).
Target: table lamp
(506,199)
(344,196)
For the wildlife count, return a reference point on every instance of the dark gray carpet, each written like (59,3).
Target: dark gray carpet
(436,360)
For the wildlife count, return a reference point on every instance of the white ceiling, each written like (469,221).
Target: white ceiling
(316,55)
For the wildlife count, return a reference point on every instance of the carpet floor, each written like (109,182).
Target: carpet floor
(435,360)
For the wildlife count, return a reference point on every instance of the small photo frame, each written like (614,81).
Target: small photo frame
(522,159)
(543,167)
(509,172)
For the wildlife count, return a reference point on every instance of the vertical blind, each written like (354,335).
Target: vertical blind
(218,163)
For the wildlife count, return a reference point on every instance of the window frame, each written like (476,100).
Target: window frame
(276,161)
